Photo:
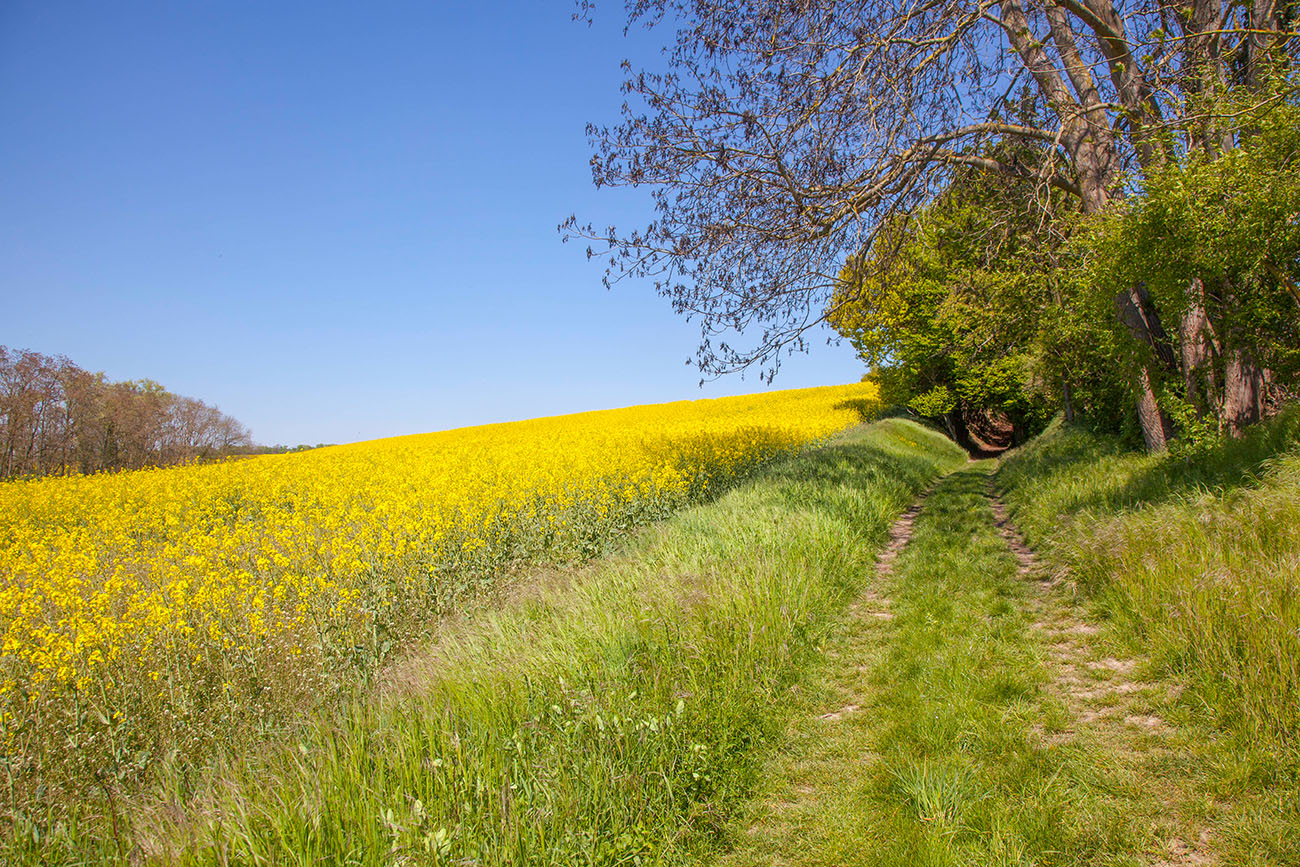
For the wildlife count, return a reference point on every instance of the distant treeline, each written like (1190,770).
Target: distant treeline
(256,449)
(56,417)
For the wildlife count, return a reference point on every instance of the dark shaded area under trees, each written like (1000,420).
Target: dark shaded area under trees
(56,417)
(1010,208)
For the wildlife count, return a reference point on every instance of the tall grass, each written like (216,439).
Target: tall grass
(1197,560)
(610,716)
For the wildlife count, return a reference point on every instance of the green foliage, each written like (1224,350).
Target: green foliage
(962,307)
(936,402)
(1198,434)
(1006,299)
(1228,220)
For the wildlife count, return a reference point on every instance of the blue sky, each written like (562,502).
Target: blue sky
(336,221)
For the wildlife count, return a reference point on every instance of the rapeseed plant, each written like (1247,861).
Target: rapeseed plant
(152,613)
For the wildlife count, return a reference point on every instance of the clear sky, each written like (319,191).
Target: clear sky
(336,221)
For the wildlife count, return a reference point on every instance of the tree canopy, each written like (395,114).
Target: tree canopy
(56,416)
(783,140)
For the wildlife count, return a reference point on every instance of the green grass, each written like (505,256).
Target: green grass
(934,736)
(612,714)
(1068,474)
(1200,561)
(1195,564)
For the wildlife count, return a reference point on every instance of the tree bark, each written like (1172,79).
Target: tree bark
(784,137)
(1157,430)
(1243,390)
(955,421)
(1085,135)
(1199,348)
(1138,314)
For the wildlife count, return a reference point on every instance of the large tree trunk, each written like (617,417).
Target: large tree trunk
(955,421)
(1157,429)
(1095,158)
(1243,390)
(1199,349)
(1135,310)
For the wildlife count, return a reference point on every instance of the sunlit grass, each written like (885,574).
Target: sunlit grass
(612,716)
(1200,558)
(1197,565)
(953,754)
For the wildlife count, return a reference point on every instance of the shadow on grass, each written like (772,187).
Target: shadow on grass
(891,453)
(1088,472)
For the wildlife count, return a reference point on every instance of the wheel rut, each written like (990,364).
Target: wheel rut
(832,734)
(900,533)
(1108,702)
(871,603)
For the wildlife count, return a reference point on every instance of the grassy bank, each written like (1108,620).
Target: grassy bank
(1200,559)
(1196,564)
(609,714)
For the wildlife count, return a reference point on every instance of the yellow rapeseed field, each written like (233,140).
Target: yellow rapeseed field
(149,610)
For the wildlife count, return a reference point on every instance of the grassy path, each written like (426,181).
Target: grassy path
(966,713)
